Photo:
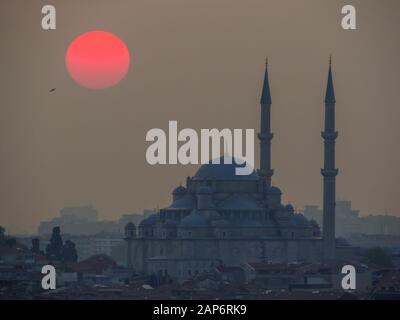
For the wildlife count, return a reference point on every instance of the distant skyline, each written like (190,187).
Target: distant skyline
(15,229)
(195,63)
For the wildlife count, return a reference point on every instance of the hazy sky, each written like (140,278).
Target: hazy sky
(200,63)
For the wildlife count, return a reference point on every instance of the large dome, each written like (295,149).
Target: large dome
(222,171)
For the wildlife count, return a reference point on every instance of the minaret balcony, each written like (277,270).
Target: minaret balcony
(265,136)
(329,135)
(265,173)
(329,172)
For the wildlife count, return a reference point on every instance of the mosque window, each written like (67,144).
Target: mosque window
(224,234)
(189,234)
(146,233)
(292,234)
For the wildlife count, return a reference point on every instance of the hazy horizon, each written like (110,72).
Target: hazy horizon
(195,63)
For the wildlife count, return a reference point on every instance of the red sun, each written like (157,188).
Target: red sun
(97,60)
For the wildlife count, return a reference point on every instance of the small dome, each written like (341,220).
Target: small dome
(194,220)
(179,190)
(300,220)
(204,190)
(150,221)
(130,226)
(274,190)
(289,208)
(186,202)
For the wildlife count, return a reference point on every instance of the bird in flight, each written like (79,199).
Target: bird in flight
(52,90)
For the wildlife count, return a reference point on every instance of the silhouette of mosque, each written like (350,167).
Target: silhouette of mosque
(219,217)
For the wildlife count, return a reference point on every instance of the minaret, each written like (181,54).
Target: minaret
(265,136)
(329,171)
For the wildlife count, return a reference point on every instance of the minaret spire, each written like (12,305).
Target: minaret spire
(266,94)
(265,136)
(330,92)
(329,171)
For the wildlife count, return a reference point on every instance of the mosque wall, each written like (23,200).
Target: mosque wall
(182,258)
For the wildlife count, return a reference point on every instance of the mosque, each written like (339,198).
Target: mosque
(220,218)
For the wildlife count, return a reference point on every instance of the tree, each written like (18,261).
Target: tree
(6,240)
(378,257)
(11,241)
(36,246)
(69,253)
(58,250)
(2,236)
(2,233)
(54,249)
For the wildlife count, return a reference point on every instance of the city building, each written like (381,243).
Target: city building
(349,222)
(84,221)
(78,221)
